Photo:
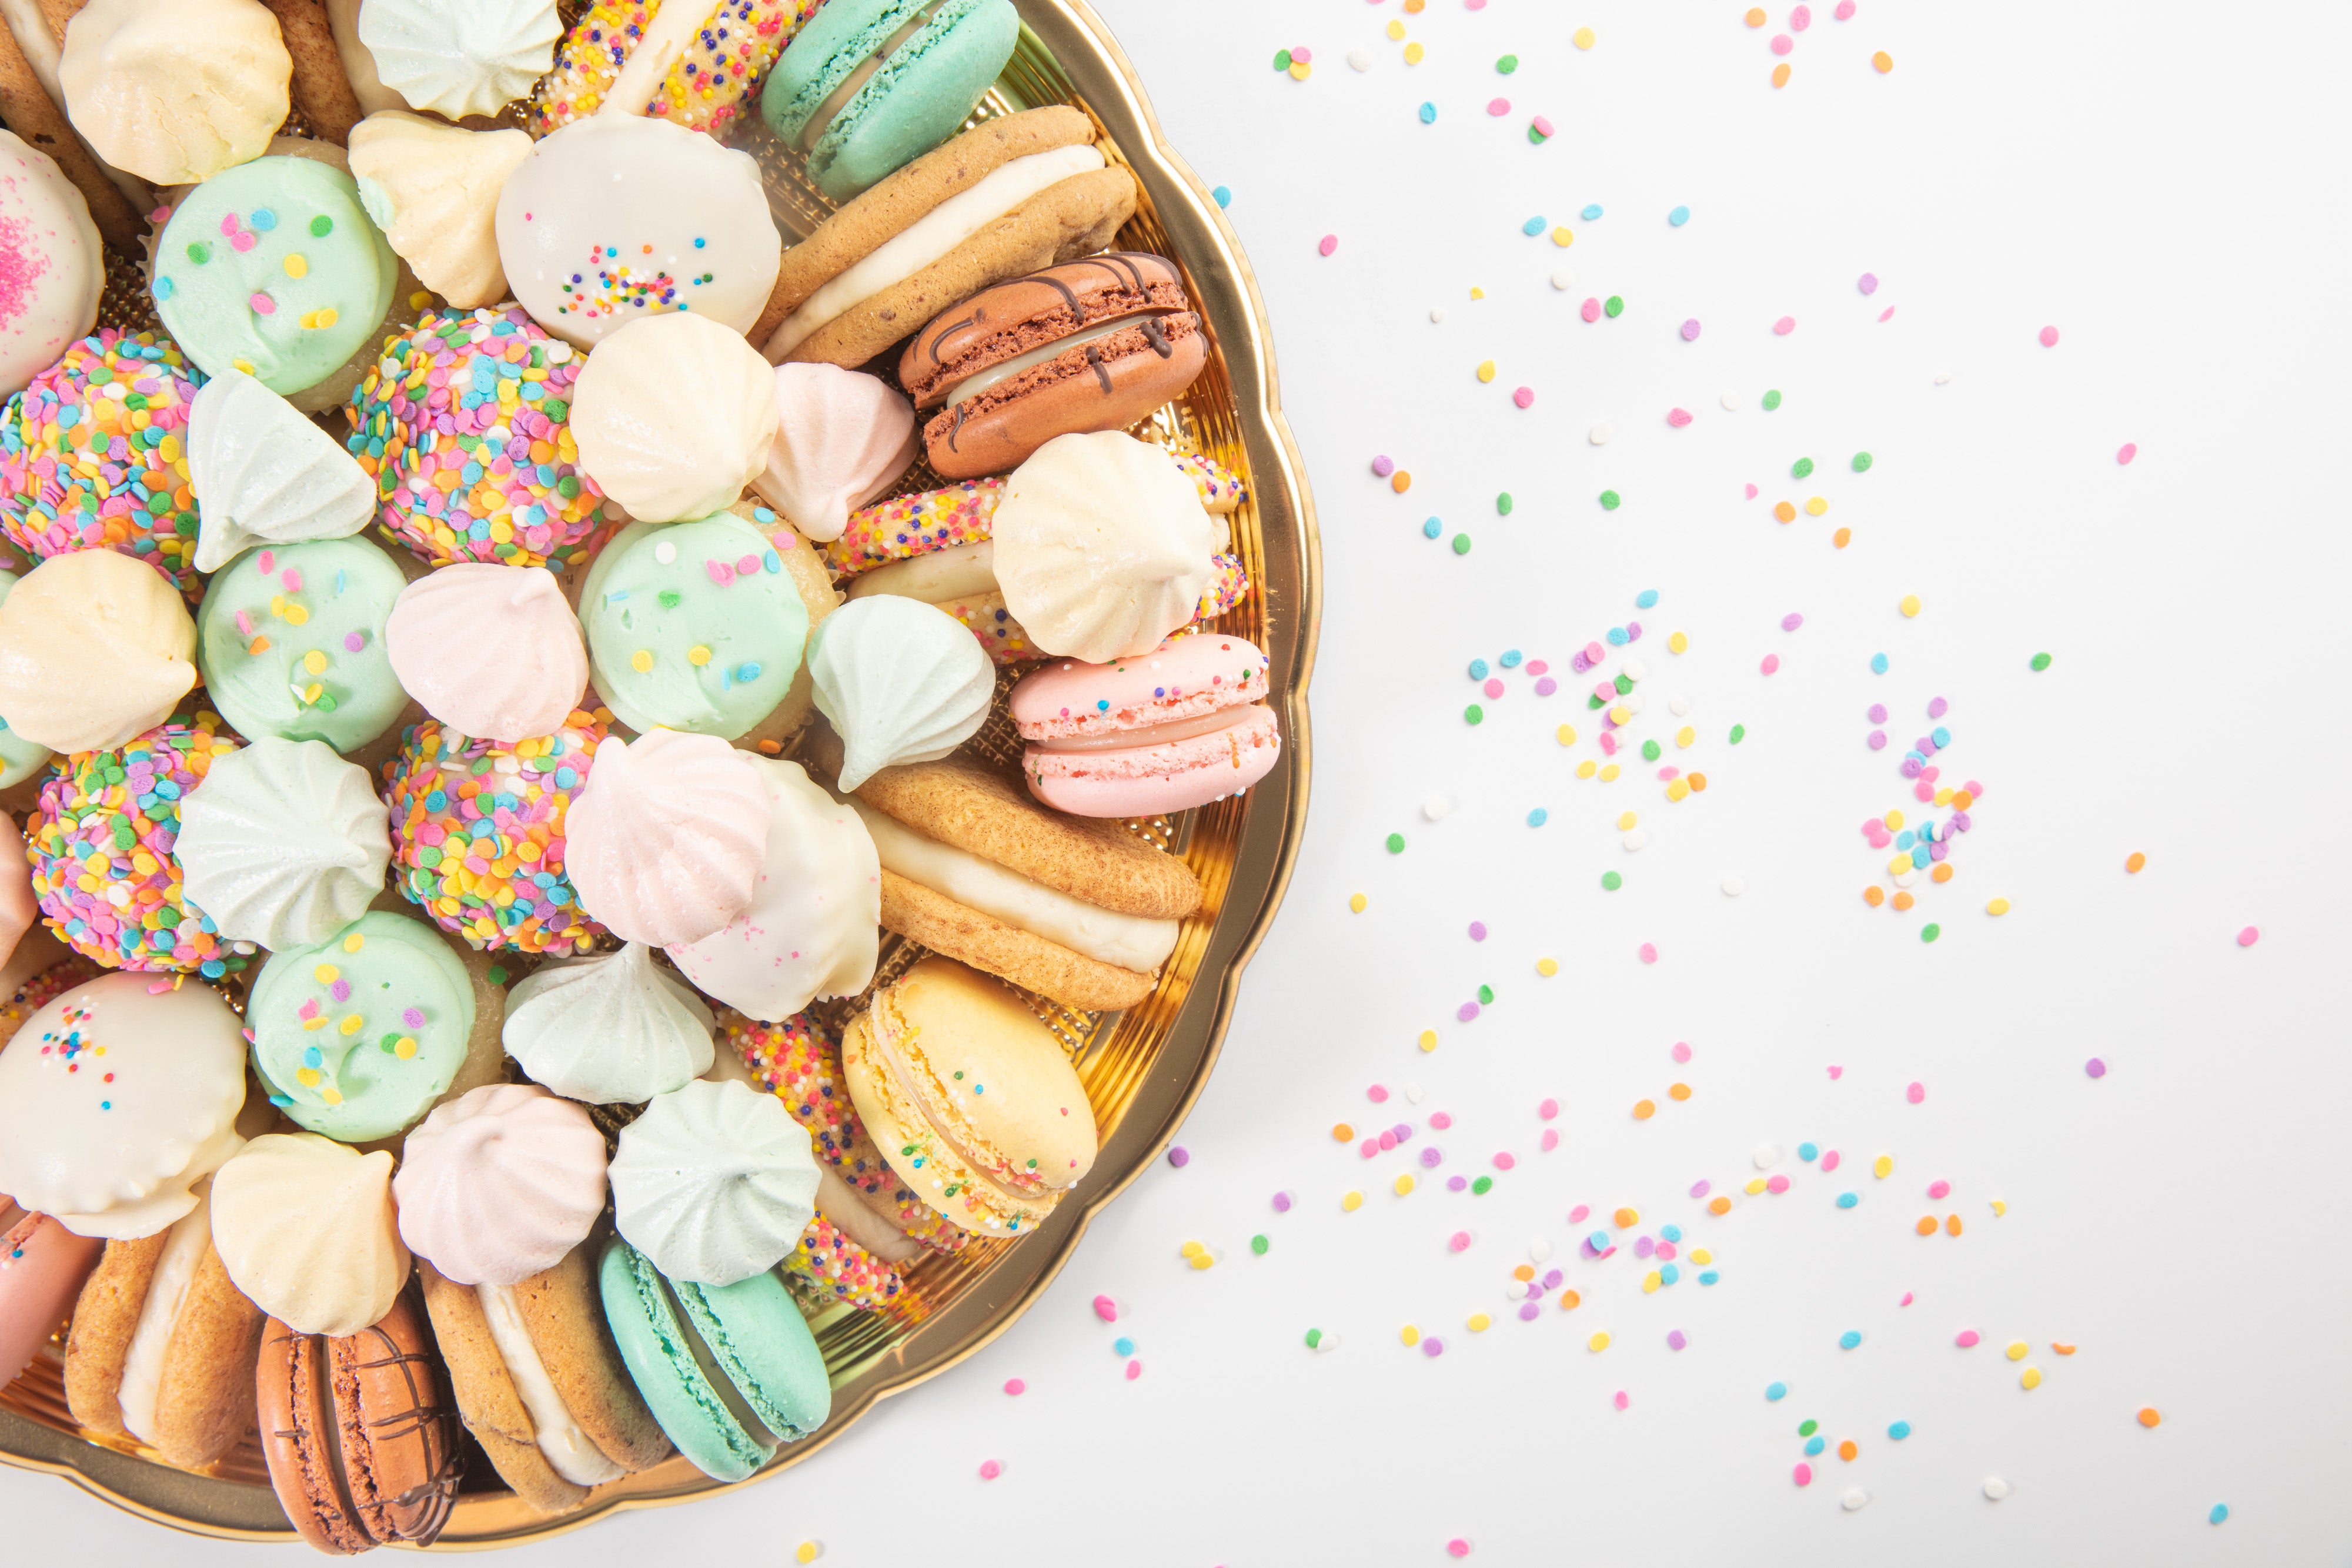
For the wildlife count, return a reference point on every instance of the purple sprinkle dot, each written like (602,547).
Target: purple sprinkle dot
(1551,1280)
(1384,467)
(1869,283)
(1432,1348)
(1180,1156)
(1430,1157)
(1937,707)
(413,1017)
(1546,687)
(1282,1203)
(1466,1011)
(1529,1312)
(1401,1131)
(1877,714)
(1791,620)
(1877,740)
(1455,1184)
(1690,330)
(354,641)
(1701,1188)
(1674,1340)
(2095,1067)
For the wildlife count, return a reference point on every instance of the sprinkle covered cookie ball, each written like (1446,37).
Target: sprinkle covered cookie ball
(94,456)
(721,66)
(465,424)
(101,846)
(478,833)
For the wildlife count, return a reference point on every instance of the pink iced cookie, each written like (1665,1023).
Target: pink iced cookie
(51,265)
(1180,726)
(42,1266)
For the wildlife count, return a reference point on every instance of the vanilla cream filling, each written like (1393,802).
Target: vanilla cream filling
(935,577)
(666,38)
(850,1213)
(1152,734)
(813,131)
(167,1299)
(931,236)
(1129,941)
(565,1445)
(980,382)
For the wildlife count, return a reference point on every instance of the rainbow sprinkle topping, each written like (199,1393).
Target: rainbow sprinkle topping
(723,66)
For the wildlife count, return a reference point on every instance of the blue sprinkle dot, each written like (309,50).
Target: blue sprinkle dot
(1592,212)
(1123,1345)
(1429,114)
(1224,197)
(1809,1151)
(1849,1339)
(1598,1241)
(1878,663)
(1941,736)
(1538,817)
(1900,1430)
(1617,638)
(263,220)
(2220,1511)
(1645,598)
(1776,1391)
(1670,1232)
(1668,1274)
(1848,1199)
(747,673)
(1534,225)
(1813,1445)
(1709,1276)
(1510,658)
(1102,705)
(699,242)
(1432,528)
(1679,216)
(1477,669)
(164,288)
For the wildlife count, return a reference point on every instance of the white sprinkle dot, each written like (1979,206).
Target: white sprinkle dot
(665,553)
(1412,1093)
(1634,701)
(1600,435)
(1855,1499)
(1437,807)
(1733,888)
(1943,378)
(1437,313)
(1636,839)
(1767,1157)
(1538,1250)
(1563,280)
(1995,1487)
(1361,58)
(1636,671)
(1328,1343)
(1678,705)
(1732,400)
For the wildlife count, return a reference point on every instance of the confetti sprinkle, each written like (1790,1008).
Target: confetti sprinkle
(1327,245)
(2249,936)
(2126,452)
(2220,1511)
(1882,62)
(2048,336)
(990,1469)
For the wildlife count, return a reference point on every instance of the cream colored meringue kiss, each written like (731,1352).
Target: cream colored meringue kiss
(674,415)
(491,651)
(94,648)
(666,842)
(304,1226)
(175,90)
(433,189)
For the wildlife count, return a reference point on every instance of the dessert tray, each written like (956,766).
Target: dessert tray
(1141,1068)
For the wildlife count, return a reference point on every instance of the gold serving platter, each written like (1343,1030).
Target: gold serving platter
(1143,1067)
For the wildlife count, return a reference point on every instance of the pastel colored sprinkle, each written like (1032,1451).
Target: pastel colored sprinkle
(2048,336)
(2126,452)
(1690,330)
(1784,326)
(1679,216)
(1180,1156)
(2220,1512)
(1106,1309)
(2249,936)
(1848,1340)
(1329,244)
(990,1469)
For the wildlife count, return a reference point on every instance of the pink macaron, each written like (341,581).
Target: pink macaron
(42,1266)
(1179,727)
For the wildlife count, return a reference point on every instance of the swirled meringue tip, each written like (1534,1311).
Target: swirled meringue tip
(500,1182)
(304,1226)
(611,1029)
(666,842)
(456,60)
(674,415)
(843,438)
(284,843)
(715,1182)
(432,188)
(491,651)
(900,680)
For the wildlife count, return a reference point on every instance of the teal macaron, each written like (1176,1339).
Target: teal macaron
(730,1372)
(860,117)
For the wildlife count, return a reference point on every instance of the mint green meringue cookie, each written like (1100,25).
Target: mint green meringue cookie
(273,267)
(358,1036)
(901,681)
(694,626)
(290,641)
(19,758)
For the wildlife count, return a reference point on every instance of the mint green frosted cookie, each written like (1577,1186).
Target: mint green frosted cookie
(274,268)
(693,626)
(290,641)
(356,1037)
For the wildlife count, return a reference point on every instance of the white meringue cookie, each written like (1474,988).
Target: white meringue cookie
(901,680)
(175,90)
(665,843)
(263,474)
(96,647)
(284,843)
(498,1184)
(844,437)
(714,1183)
(608,1029)
(674,415)
(814,927)
(433,189)
(1102,546)
(457,57)
(491,651)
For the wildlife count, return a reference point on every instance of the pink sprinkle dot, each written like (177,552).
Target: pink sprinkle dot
(1590,310)
(1106,1309)
(1014,1386)
(1791,620)
(1751,492)
(1384,466)
(1836,1073)
(1550,1141)
(1868,283)
(1784,326)
(1844,12)
(1776,1184)
(263,305)
(1647,952)
(1916,1093)
(1798,20)
(1502,1160)
(1829,1161)
(1906,1300)
(2126,452)
(1939,1189)
(1690,330)
(1330,244)
(1620,1400)
(1494,687)
(2049,337)
(2095,1067)
(1301,55)
(1134,1370)
(1576,1216)
(1371,1148)
(1783,43)
(1457,1547)
(1678,417)
(990,1469)
(1439,1121)
(1771,662)
(1802,1475)
(1546,1109)
(1524,397)
(1459,1241)
(1966,1339)
(1498,107)
(1681,1052)
(243,241)
(2249,936)
(1377,1094)
(1888,314)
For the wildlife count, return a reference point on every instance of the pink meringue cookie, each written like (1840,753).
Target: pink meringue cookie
(491,651)
(17,908)
(500,1182)
(666,843)
(846,436)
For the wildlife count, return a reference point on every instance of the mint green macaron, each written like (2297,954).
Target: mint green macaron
(290,641)
(731,1371)
(920,93)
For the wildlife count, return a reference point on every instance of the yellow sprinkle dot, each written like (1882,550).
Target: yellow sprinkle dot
(315,662)
(1910,605)
(1479,1323)
(1702,1257)
(1477,292)
(307,1077)
(1562,236)
(295,265)
(1352,1202)
(1300,70)
(1899,865)
(243,363)
(318,1022)
(1565,734)
(1943,797)
(1404,1184)
(1883,1167)
(1547,967)
(2016,1350)
(1355,901)
(2031,1380)
(1998,906)
(1412,53)
(352,1023)
(1582,38)
(324,316)
(326,974)
(1193,1249)
(1816,505)
(1598,1341)
(1409,1335)
(1205,1260)
(1894,822)
(1998,1209)
(642,660)
(313,692)
(1755,1187)
(1684,736)
(296,615)
(1429,1039)
(1587,768)
(1678,788)
(1486,369)
(332,1095)
(1677,643)
(1620,714)
(1650,1282)
(807,1552)
(1609,774)
(1625,821)
(1882,61)
(404,1047)
(1396,29)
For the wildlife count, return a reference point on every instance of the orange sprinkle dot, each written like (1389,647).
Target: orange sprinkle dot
(1679,1092)
(1719,1206)
(1873,896)
(1756,16)
(2061,1347)
(1524,1272)
(1780,74)
(1841,538)
(2135,860)
(1698,783)
(1400,481)
(1882,60)
(1904,901)
(1964,800)
(1848,1449)
(1569,1300)
(1941,873)
(1927,1226)
(1785,512)
(1626,1218)
(1952,1225)
(1342,1133)
(1644,1109)
(2149,1416)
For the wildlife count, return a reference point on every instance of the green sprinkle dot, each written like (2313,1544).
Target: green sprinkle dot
(1474,714)
(1396,843)
(200,253)
(1483,1185)
(2040,660)
(1930,931)
(1536,136)
(1649,751)
(1738,732)
(1282,60)
(1862,462)
(1615,306)
(498,974)
(322,225)
(1593,701)
(1804,465)
(1314,1338)
(1508,64)
(387,1042)
(1610,500)
(1625,685)
(1771,400)
(1611,882)
(1485,996)
(1807,1428)
(1462,544)
(1259,1245)
(1503,503)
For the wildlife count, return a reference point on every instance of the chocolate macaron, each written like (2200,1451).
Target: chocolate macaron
(1089,345)
(359,1434)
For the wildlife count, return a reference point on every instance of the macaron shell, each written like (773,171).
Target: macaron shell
(1108,384)
(764,1345)
(1148,781)
(1184,677)
(918,98)
(42,1266)
(654,1348)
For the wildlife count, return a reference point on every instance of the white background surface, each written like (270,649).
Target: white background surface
(2163,183)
